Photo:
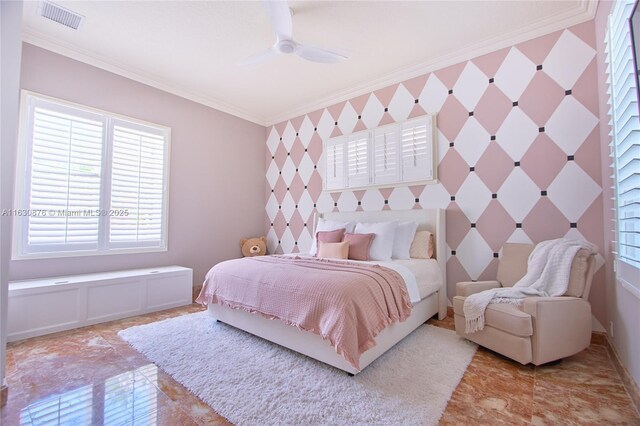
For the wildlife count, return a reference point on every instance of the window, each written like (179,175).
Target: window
(88,182)
(389,155)
(625,146)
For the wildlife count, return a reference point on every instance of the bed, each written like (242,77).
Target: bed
(313,345)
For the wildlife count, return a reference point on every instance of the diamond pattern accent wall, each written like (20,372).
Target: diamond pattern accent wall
(518,149)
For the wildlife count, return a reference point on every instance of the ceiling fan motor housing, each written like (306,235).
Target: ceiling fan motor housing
(286,46)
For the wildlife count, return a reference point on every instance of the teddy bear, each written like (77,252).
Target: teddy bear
(254,246)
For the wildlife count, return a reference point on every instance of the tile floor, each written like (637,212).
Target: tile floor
(90,376)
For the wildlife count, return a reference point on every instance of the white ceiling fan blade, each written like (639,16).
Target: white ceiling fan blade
(259,57)
(317,54)
(280,17)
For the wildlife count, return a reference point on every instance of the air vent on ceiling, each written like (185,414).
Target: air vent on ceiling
(59,14)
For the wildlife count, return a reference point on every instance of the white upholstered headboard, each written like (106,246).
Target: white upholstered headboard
(433,220)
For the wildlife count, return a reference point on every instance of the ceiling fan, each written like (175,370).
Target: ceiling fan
(280,16)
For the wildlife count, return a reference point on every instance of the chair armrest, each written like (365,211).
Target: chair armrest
(531,304)
(561,326)
(467,288)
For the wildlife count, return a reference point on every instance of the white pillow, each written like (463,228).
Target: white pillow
(404,237)
(382,245)
(328,225)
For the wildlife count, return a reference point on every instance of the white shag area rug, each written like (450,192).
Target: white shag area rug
(251,381)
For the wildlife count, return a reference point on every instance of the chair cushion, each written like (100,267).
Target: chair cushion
(503,316)
(578,274)
(513,266)
(513,263)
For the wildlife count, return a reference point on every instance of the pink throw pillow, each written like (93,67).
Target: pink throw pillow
(329,236)
(333,250)
(422,246)
(359,245)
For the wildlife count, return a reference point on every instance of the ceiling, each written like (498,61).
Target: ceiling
(193,49)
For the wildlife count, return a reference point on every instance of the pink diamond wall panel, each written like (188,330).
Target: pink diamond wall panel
(518,149)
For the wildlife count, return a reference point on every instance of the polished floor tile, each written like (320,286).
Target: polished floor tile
(90,376)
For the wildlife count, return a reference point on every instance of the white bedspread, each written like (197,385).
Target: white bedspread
(425,273)
(421,276)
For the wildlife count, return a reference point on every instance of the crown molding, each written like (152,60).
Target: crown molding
(584,11)
(91,58)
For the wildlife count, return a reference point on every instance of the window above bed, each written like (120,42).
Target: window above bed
(88,182)
(396,154)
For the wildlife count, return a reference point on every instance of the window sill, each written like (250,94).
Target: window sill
(383,186)
(72,254)
(628,276)
(635,291)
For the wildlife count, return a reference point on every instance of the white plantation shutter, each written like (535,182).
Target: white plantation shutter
(334,174)
(416,150)
(137,184)
(358,160)
(394,154)
(385,155)
(625,145)
(92,182)
(65,179)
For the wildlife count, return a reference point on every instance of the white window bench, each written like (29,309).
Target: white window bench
(49,305)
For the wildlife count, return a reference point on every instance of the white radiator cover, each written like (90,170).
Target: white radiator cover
(48,305)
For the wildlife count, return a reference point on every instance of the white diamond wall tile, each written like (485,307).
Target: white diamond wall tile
(573,191)
(372,112)
(347,202)
(473,197)
(325,203)
(347,119)
(515,74)
(272,207)
(272,241)
(305,168)
(434,196)
(325,125)
(568,59)
(288,206)
(288,136)
(273,140)
(305,239)
(470,86)
(433,95)
(401,104)
(287,242)
(518,194)
(305,206)
(526,102)
(474,253)
(288,171)
(519,236)
(570,125)
(402,199)
(306,131)
(472,141)
(272,174)
(443,145)
(372,200)
(517,133)
(574,234)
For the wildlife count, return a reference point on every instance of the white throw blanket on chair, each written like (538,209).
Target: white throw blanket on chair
(548,271)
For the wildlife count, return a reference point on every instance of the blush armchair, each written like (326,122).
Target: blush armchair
(542,329)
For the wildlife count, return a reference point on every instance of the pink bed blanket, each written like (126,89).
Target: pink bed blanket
(346,303)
